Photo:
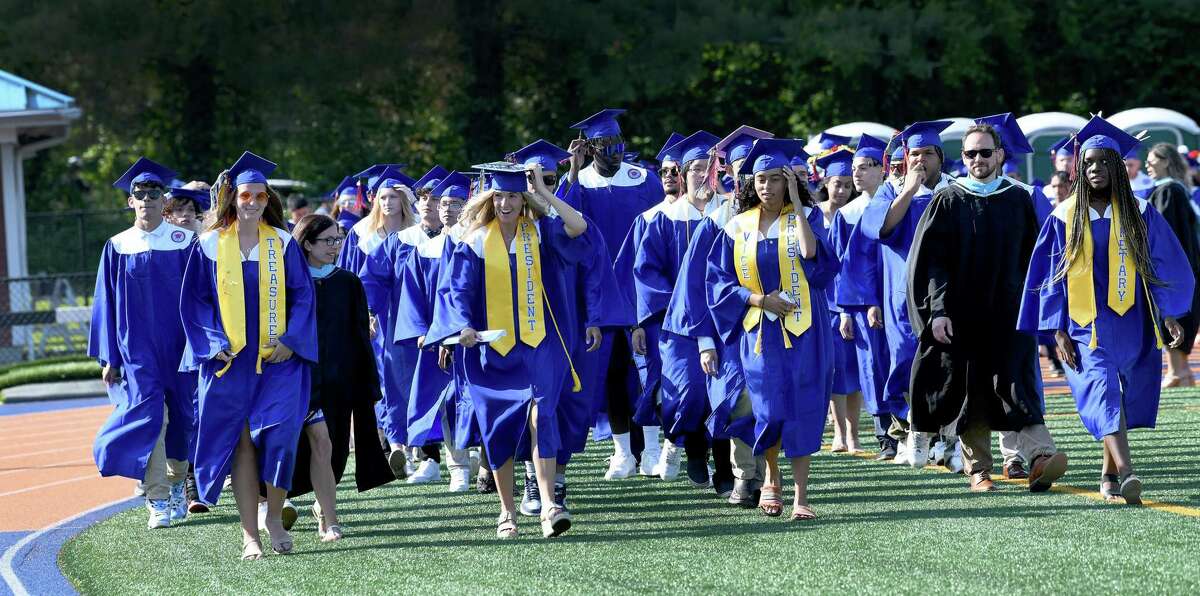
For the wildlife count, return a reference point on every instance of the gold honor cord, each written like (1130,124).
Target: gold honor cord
(272,292)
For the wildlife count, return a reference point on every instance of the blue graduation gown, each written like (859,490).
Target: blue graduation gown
(381,275)
(358,244)
(845,357)
(893,248)
(857,287)
(688,315)
(657,264)
(503,388)
(136,328)
(273,403)
(789,388)
(1125,371)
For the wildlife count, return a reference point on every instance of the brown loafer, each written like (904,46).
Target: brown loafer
(981,482)
(1015,471)
(1045,470)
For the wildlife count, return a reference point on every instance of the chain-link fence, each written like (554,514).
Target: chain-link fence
(71,241)
(45,315)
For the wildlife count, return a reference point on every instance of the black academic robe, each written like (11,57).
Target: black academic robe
(345,385)
(968,263)
(1172,201)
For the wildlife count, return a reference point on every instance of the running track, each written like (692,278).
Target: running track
(50,489)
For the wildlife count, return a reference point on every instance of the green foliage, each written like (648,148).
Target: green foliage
(42,372)
(326,88)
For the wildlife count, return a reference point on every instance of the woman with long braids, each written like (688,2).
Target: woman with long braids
(766,278)
(1105,272)
(247,310)
(1170,197)
(506,276)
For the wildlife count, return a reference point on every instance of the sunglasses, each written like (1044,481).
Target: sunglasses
(984,153)
(670,171)
(245,197)
(148,194)
(548,179)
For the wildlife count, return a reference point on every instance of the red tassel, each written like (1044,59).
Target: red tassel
(359,202)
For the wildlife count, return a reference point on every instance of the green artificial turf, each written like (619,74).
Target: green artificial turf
(883,529)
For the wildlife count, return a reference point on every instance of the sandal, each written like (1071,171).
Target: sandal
(321,529)
(284,544)
(1110,484)
(1131,489)
(838,446)
(803,512)
(556,522)
(769,501)
(506,526)
(334,533)
(251,549)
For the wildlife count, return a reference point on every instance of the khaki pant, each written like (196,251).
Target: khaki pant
(162,471)
(741,454)
(1032,442)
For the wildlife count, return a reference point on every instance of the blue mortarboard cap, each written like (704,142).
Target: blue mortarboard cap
(665,154)
(348,186)
(898,153)
(828,141)
(506,179)
(1098,133)
(431,178)
(391,177)
(1132,153)
(543,153)
(738,143)
(144,171)
(250,169)
(870,147)
(201,197)
(454,185)
(768,154)
(924,134)
(837,163)
(1011,136)
(1010,167)
(1063,147)
(372,173)
(695,146)
(600,124)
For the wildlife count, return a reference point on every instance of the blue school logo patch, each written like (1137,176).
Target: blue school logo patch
(177,236)
(635,174)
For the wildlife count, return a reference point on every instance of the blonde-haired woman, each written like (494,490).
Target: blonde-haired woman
(247,309)
(507,274)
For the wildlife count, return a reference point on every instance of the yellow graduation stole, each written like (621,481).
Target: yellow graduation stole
(272,291)
(498,290)
(791,272)
(1122,275)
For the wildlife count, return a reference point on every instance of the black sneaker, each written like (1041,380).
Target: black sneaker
(485,482)
(193,496)
(531,501)
(745,493)
(697,471)
(560,494)
(887,450)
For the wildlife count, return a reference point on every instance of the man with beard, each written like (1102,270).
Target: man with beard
(969,257)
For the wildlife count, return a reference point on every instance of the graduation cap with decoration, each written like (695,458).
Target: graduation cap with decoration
(504,176)
(453,185)
(144,171)
(431,178)
(828,141)
(199,196)
(870,147)
(542,152)
(251,169)
(666,153)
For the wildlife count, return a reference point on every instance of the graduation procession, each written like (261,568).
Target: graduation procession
(579,296)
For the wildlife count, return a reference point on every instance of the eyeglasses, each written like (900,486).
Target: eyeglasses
(670,171)
(331,241)
(247,197)
(148,194)
(984,153)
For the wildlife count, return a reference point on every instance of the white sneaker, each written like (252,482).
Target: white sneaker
(160,513)
(139,490)
(650,458)
(460,480)
(620,466)
(262,515)
(918,449)
(288,514)
(954,462)
(668,465)
(228,484)
(903,457)
(178,502)
(937,455)
(474,459)
(428,471)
